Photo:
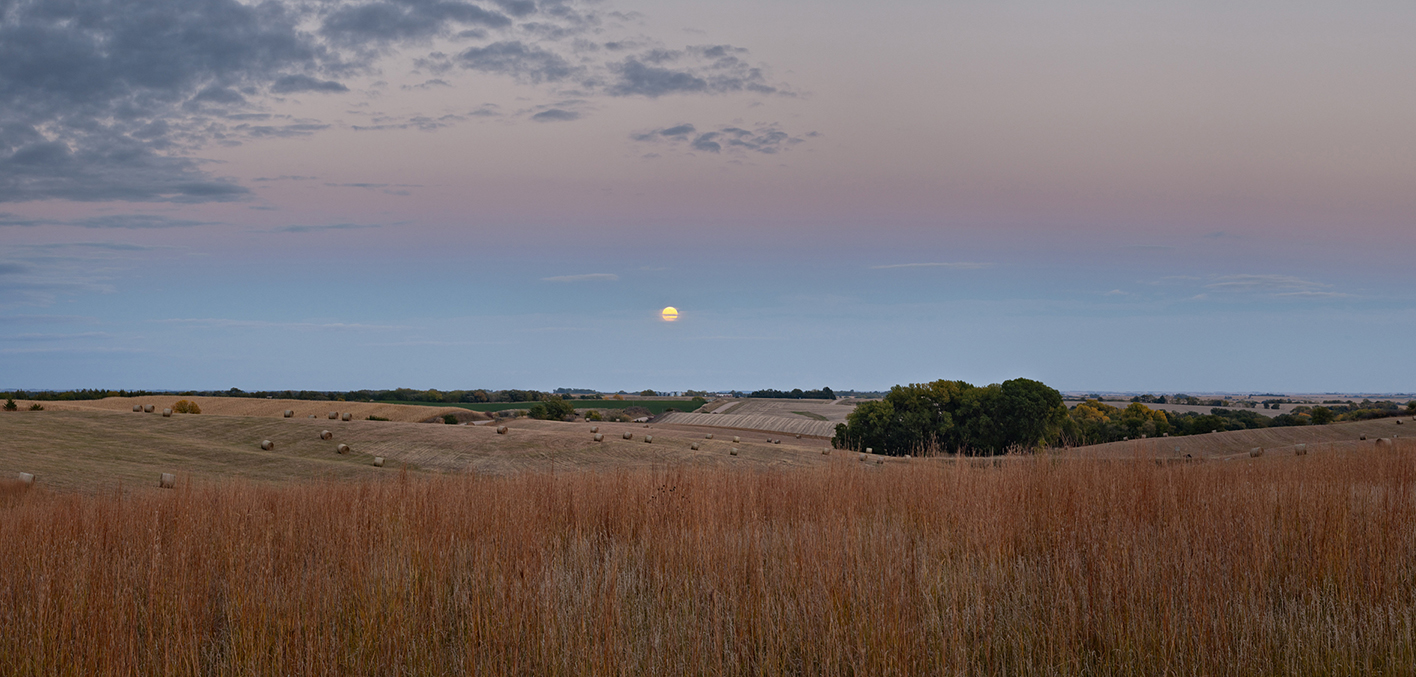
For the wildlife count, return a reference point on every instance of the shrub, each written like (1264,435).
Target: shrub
(450,419)
(36,407)
(553,408)
(10,405)
(186,407)
(617,417)
(594,415)
(380,418)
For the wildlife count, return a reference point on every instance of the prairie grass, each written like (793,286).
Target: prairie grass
(1280,565)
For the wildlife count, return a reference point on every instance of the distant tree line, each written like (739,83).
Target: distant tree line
(73,395)
(795,394)
(1095,422)
(394,395)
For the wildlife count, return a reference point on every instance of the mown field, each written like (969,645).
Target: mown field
(1043,566)
(654,406)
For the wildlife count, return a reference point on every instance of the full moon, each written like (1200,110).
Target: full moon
(669,314)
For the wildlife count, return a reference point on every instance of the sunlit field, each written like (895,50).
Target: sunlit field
(1275,565)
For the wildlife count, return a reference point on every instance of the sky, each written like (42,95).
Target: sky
(326,194)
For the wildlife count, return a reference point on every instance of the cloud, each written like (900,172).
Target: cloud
(710,69)
(555,115)
(118,221)
(517,59)
(290,84)
(332,226)
(956,265)
(223,323)
(1263,284)
(592,277)
(763,139)
(404,19)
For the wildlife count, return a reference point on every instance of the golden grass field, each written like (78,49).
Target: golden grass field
(247,406)
(542,552)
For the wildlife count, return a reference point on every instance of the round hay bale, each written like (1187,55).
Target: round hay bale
(1363,437)
(501,430)
(378,461)
(27,479)
(599,437)
(267,445)
(289,413)
(334,416)
(693,446)
(326,435)
(137,409)
(167,480)
(826,451)
(1398,421)
(1300,450)
(313,416)
(798,436)
(732,452)
(1383,443)
(862,457)
(148,408)
(869,450)
(167,413)
(594,428)
(709,436)
(343,448)
(346,416)
(629,436)
(1256,452)
(879,461)
(777,441)
(736,440)
(648,439)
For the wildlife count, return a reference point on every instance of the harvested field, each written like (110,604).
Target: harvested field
(248,406)
(1236,443)
(1282,566)
(89,450)
(792,426)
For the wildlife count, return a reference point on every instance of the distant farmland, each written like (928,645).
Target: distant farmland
(655,406)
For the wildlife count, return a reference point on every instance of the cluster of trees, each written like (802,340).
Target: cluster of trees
(956,417)
(553,408)
(1094,422)
(394,395)
(73,395)
(795,394)
(1178,398)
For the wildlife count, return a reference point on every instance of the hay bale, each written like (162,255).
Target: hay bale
(869,450)
(1383,443)
(826,451)
(1363,437)
(1256,452)
(1300,450)
(334,416)
(1398,421)
(267,445)
(343,449)
(629,436)
(693,446)
(501,430)
(378,461)
(736,440)
(167,480)
(27,479)
(289,413)
(167,413)
(777,441)
(148,408)
(326,435)
(709,436)
(313,416)
(879,461)
(137,409)
(599,437)
(732,452)
(648,439)
(346,416)
(594,428)
(798,436)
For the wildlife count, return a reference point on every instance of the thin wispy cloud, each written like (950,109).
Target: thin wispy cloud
(591,277)
(223,323)
(953,265)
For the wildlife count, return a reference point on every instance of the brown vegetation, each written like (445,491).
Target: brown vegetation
(1282,565)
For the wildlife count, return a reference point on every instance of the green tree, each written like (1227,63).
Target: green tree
(553,408)
(10,405)
(954,416)
(1322,415)
(647,393)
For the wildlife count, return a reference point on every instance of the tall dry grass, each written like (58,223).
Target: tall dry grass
(1279,566)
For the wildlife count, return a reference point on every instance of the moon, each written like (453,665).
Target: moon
(669,314)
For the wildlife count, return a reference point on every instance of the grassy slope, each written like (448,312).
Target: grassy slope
(1239,442)
(655,406)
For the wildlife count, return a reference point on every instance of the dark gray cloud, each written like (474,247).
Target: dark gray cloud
(524,62)
(393,20)
(556,115)
(764,139)
(712,69)
(289,84)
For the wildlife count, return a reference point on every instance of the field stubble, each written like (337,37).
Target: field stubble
(1297,565)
